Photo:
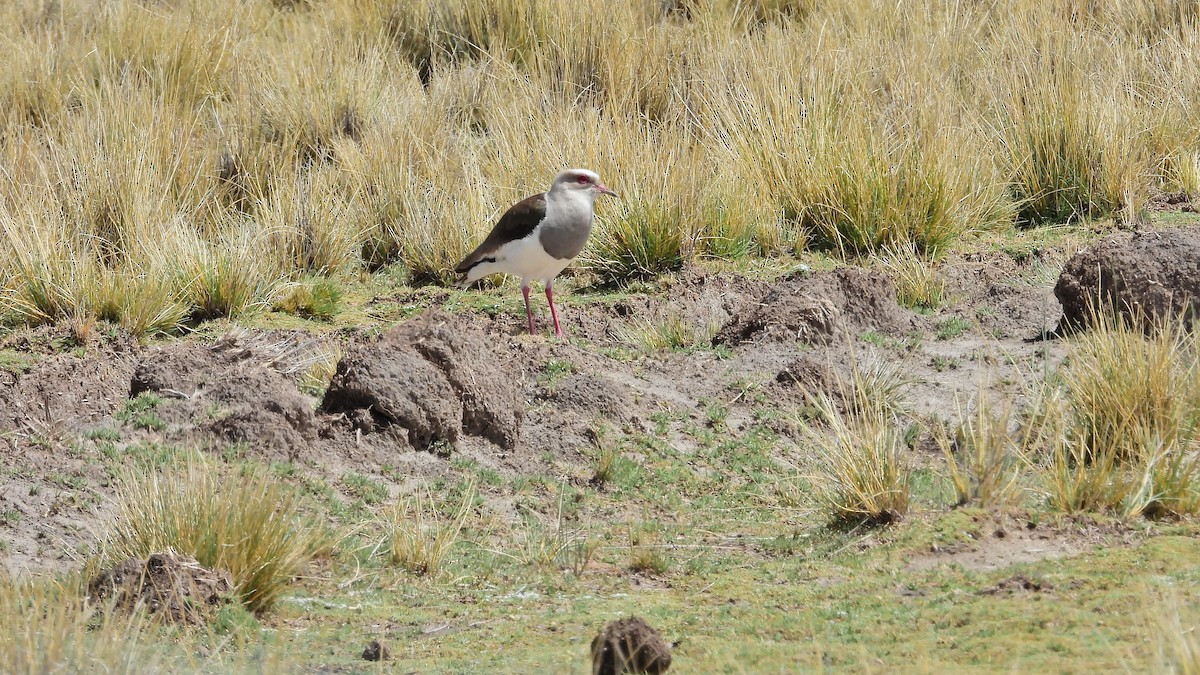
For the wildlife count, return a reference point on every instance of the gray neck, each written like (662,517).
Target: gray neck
(568,221)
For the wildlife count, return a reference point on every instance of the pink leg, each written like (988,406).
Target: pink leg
(528,311)
(553,312)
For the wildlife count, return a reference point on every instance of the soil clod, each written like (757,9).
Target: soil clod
(235,394)
(629,646)
(1017,584)
(167,584)
(1145,278)
(436,377)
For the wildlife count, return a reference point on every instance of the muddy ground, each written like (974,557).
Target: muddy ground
(407,400)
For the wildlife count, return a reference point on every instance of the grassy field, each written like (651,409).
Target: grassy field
(169,162)
(170,169)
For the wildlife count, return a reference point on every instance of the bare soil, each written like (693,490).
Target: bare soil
(221,393)
(1003,540)
(472,385)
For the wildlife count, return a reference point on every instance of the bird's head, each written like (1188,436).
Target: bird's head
(579,181)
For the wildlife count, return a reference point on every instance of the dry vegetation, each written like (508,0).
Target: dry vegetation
(167,162)
(246,523)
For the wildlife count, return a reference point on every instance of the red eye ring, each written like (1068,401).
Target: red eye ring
(583,180)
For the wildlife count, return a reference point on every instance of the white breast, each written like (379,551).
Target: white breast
(524,258)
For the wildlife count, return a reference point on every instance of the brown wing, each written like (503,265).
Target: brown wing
(516,223)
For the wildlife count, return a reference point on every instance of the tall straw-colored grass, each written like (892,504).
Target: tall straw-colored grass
(1126,424)
(172,162)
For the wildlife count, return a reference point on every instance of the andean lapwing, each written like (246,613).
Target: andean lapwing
(538,237)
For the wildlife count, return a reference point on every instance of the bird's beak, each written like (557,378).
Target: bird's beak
(603,189)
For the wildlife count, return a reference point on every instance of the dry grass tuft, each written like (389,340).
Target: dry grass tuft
(984,456)
(417,537)
(918,284)
(550,542)
(1129,423)
(49,627)
(1125,386)
(1178,644)
(646,554)
(862,477)
(878,388)
(243,521)
(670,333)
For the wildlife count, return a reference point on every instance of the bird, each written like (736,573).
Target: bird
(538,237)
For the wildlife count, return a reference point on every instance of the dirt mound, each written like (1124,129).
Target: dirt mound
(713,298)
(1146,276)
(229,391)
(818,308)
(998,293)
(167,584)
(66,390)
(596,395)
(436,376)
(629,646)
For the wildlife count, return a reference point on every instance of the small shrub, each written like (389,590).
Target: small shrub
(606,461)
(724,235)
(140,409)
(554,371)
(236,621)
(227,279)
(611,465)
(550,542)
(142,303)
(1124,386)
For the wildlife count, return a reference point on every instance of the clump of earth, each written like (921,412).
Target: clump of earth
(1147,278)
(166,584)
(629,645)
